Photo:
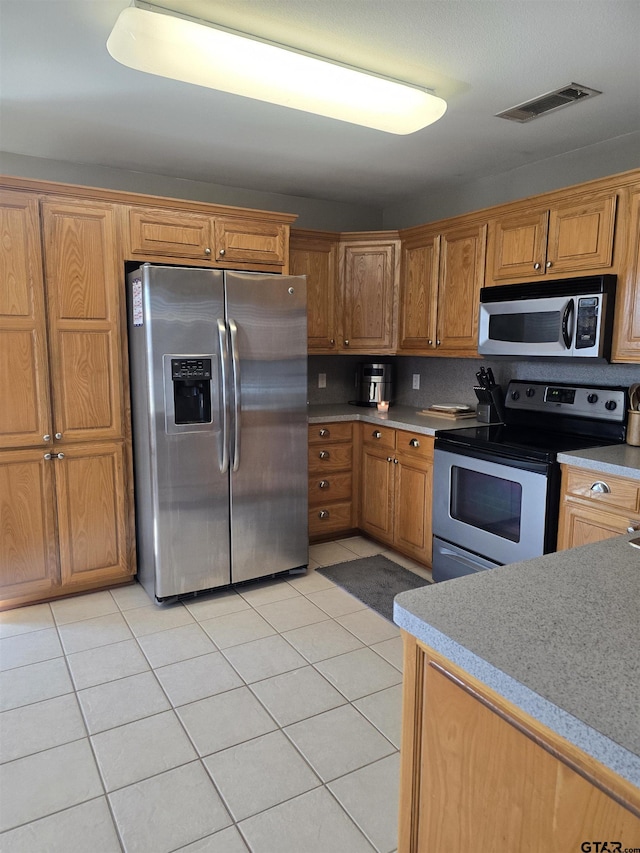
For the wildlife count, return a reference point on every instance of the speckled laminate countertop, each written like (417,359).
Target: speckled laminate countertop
(398,417)
(557,636)
(620,459)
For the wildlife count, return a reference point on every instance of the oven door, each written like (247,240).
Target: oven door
(492,507)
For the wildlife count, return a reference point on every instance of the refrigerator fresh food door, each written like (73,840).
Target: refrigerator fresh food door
(182,492)
(267,319)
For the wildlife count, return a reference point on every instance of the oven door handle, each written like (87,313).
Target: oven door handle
(567,333)
(460,558)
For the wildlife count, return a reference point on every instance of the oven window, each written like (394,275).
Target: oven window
(487,502)
(539,327)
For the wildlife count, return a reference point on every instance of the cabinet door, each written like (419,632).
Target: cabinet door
(412,506)
(369,281)
(581,235)
(91,501)
(317,260)
(83,283)
(581,525)
(518,245)
(376,516)
(627,324)
(461,277)
(419,295)
(25,414)
(250,241)
(28,552)
(169,233)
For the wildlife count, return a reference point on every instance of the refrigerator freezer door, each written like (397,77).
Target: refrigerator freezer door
(267,318)
(182,494)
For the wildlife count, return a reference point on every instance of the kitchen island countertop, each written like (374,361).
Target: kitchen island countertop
(556,636)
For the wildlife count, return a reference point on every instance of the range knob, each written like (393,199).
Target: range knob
(610,405)
(515,395)
(530,392)
(592,398)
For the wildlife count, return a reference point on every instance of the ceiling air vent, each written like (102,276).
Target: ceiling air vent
(546,103)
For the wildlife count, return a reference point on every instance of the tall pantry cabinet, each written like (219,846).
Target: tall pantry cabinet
(64,506)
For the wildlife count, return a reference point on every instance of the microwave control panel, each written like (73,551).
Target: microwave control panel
(581,401)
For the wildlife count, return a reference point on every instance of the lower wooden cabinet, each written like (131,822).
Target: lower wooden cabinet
(479,774)
(596,506)
(331,509)
(64,522)
(396,479)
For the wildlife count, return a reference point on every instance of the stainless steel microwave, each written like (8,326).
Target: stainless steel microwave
(566,318)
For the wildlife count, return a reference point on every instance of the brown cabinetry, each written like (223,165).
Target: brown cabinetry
(442,274)
(314,254)
(63,378)
(596,506)
(479,774)
(626,345)
(573,236)
(396,480)
(369,271)
(156,232)
(330,479)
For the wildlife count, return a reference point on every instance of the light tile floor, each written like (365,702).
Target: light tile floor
(264,719)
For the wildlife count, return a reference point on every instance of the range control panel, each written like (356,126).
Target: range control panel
(581,401)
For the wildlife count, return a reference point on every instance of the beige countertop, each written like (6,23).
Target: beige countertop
(398,417)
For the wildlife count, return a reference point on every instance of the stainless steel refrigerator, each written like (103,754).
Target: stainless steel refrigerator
(219,403)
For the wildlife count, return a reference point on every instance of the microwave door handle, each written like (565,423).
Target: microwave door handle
(567,333)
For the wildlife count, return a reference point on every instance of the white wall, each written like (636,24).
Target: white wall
(312,213)
(585,164)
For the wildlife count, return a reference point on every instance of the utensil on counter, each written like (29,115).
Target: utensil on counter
(634,396)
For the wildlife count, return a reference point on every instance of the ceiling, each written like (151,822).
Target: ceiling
(62,96)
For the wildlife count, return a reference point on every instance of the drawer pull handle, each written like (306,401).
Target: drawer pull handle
(633,527)
(324,513)
(324,454)
(414,442)
(323,484)
(376,434)
(600,488)
(324,433)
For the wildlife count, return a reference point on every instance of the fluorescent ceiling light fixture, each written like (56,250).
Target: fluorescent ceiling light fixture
(159,41)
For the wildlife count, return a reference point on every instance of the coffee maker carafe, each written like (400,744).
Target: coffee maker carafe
(374,383)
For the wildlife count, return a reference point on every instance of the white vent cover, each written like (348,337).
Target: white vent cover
(546,103)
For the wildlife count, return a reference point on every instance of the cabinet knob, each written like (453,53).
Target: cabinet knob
(346,343)
(376,434)
(324,513)
(414,442)
(600,488)
(221,252)
(389,458)
(47,456)
(633,527)
(46,437)
(324,433)
(549,264)
(430,342)
(58,435)
(207,251)
(395,461)
(323,484)
(438,343)
(537,266)
(332,341)
(324,454)
(59,455)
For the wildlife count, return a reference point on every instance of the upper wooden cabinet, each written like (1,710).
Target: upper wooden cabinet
(369,274)
(156,232)
(442,274)
(573,236)
(626,344)
(314,254)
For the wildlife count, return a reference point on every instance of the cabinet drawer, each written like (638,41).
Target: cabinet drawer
(330,457)
(414,445)
(379,436)
(623,494)
(322,433)
(329,519)
(333,487)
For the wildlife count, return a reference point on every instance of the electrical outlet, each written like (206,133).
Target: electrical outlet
(416,382)
(322,380)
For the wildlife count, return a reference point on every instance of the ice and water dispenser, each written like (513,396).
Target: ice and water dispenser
(188,392)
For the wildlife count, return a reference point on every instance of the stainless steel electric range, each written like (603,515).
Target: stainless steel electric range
(497,487)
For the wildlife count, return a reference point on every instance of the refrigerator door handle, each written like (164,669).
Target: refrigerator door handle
(224,396)
(235,369)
